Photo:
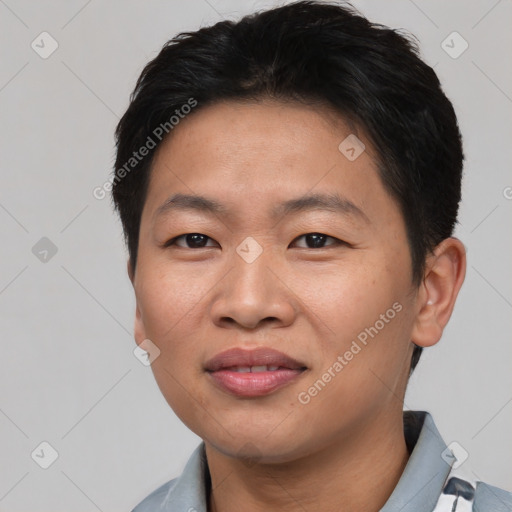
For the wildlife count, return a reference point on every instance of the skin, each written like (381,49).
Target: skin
(274,452)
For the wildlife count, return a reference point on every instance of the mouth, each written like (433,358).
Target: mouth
(253,373)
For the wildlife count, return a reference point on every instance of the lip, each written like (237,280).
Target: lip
(253,384)
(256,357)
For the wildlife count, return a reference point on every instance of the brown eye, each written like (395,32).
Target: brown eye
(317,240)
(191,240)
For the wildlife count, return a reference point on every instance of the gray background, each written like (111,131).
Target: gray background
(68,375)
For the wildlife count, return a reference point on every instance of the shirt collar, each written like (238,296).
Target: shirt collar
(426,471)
(417,490)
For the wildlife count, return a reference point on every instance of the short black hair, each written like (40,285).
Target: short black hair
(312,52)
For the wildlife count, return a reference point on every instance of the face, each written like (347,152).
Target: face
(269,260)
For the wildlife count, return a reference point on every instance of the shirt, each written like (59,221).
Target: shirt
(433,480)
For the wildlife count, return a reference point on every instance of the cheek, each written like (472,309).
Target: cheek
(170,304)
(167,298)
(364,318)
(346,299)
(171,310)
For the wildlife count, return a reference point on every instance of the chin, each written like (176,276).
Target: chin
(257,447)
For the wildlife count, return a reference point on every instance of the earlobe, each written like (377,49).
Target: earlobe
(444,275)
(139,332)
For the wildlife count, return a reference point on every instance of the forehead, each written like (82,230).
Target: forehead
(230,127)
(254,155)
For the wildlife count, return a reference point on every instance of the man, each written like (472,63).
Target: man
(288,187)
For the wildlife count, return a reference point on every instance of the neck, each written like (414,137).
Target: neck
(354,473)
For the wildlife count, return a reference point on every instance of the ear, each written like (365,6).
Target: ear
(139,332)
(130,270)
(444,274)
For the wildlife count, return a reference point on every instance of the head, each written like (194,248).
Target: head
(324,147)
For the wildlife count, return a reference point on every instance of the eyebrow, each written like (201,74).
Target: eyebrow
(329,202)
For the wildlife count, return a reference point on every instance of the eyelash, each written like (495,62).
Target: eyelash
(337,242)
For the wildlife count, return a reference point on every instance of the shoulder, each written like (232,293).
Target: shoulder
(186,492)
(156,499)
(464,493)
(491,499)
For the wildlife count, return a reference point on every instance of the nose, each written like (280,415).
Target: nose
(253,295)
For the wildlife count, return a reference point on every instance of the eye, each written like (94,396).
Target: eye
(192,241)
(317,240)
(199,241)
